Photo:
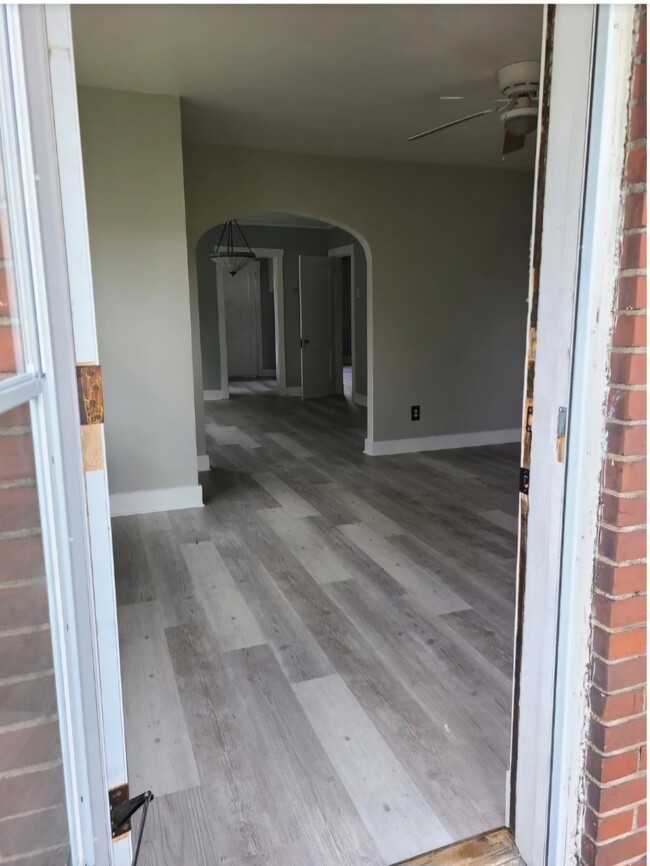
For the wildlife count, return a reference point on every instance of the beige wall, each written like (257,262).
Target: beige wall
(132,157)
(447,251)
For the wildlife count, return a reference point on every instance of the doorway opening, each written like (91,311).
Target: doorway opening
(293,322)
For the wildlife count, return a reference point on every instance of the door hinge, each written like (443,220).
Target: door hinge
(524,480)
(560,441)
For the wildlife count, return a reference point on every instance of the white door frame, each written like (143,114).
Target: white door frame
(276,256)
(342,252)
(585,148)
(552,706)
(77,535)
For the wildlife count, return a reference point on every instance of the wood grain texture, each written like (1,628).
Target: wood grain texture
(320,595)
(159,753)
(494,848)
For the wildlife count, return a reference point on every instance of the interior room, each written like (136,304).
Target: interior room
(315,575)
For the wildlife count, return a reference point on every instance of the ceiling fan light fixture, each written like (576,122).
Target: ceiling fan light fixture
(233,251)
(520,121)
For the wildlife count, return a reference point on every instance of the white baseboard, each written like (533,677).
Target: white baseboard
(167,499)
(203,462)
(294,391)
(213,395)
(360,399)
(440,443)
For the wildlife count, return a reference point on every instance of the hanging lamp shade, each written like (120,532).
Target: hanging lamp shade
(233,251)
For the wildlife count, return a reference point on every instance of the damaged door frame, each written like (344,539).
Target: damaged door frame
(568,331)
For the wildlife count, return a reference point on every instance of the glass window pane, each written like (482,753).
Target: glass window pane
(33,819)
(11,351)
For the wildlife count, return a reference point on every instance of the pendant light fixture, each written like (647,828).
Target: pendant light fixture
(233,251)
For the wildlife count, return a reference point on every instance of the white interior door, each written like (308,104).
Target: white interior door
(317,343)
(242,302)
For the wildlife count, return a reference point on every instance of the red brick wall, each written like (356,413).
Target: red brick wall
(615,818)
(32,816)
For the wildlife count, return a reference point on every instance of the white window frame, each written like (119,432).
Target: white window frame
(49,386)
(586,133)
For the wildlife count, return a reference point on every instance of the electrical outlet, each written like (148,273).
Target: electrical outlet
(415,413)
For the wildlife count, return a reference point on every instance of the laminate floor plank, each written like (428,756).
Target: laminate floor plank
(425,588)
(319,595)
(292,503)
(233,624)
(296,650)
(158,748)
(133,579)
(391,806)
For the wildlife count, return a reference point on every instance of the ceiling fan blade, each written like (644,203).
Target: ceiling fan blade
(512,142)
(451,123)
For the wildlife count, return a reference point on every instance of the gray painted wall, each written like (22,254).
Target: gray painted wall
(447,254)
(294,242)
(131,147)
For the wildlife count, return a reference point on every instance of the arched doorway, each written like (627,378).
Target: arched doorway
(295,320)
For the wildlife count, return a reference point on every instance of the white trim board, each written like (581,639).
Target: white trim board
(440,443)
(359,399)
(203,462)
(340,253)
(165,499)
(294,391)
(213,395)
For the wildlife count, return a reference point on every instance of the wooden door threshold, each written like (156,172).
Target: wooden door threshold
(494,848)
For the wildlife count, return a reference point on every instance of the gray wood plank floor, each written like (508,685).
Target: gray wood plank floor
(317,664)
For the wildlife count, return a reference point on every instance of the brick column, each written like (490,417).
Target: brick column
(615,766)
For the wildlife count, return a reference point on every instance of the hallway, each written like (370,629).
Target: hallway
(317,665)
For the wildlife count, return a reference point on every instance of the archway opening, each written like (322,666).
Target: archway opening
(293,322)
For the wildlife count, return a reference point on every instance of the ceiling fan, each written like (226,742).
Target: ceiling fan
(519,84)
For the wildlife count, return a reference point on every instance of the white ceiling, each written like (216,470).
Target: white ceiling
(347,80)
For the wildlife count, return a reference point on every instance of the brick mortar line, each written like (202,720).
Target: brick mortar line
(25,581)
(628,350)
(615,783)
(25,678)
(609,661)
(629,423)
(616,722)
(617,564)
(625,530)
(641,594)
(15,858)
(28,723)
(17,483)
(28,769)
(29,532)
(626,494)
(611,839)
(16,430)
(32,812)
(617,754)
(625,312)
(626,458)
(27,629)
